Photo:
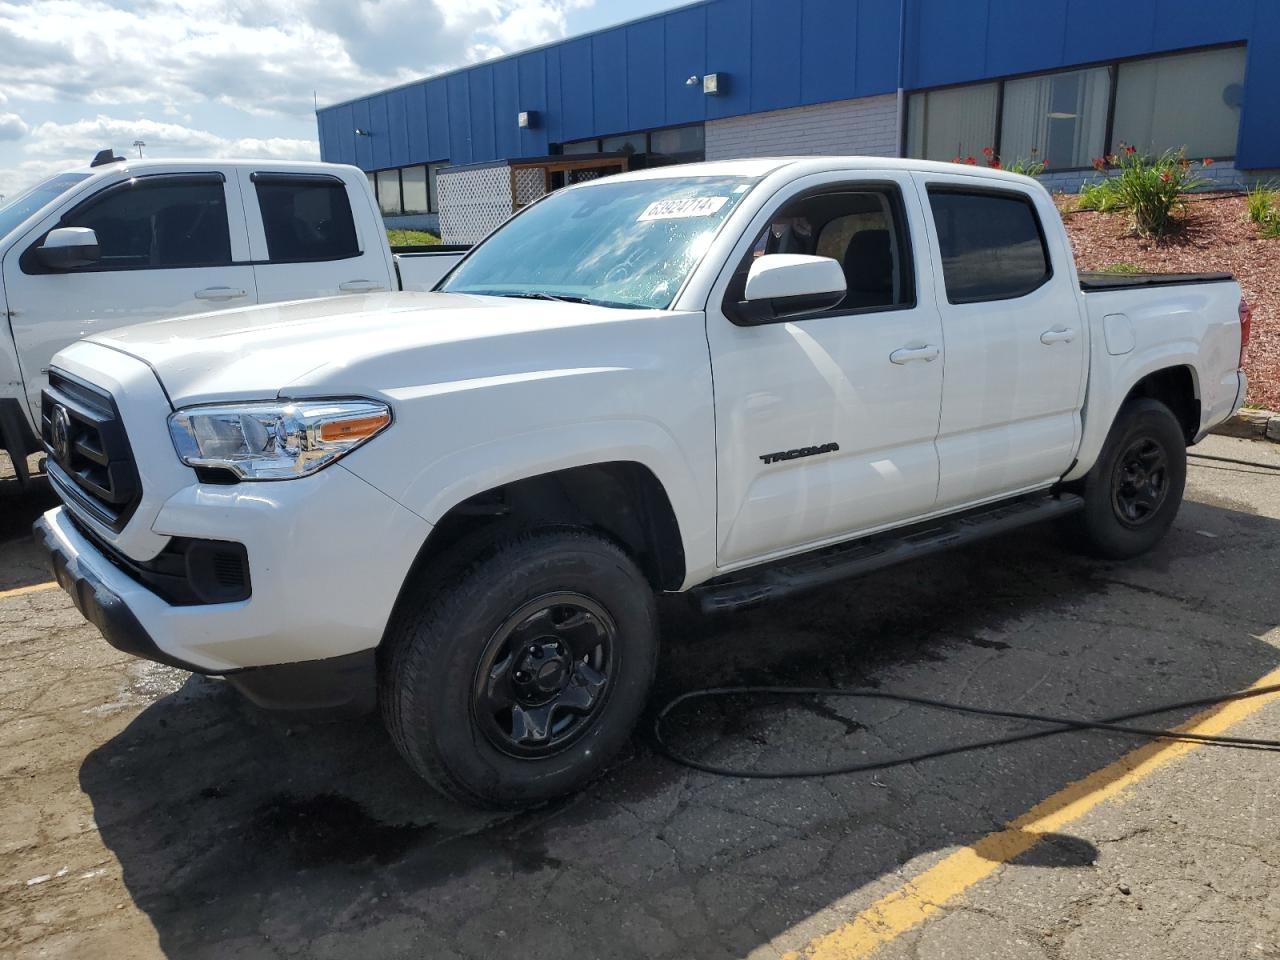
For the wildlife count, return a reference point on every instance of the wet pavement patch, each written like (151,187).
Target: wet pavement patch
(330,829)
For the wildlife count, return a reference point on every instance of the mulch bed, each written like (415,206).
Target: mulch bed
(1216,235)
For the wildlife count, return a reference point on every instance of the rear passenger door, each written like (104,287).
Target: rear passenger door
(309,240)
(1014,339)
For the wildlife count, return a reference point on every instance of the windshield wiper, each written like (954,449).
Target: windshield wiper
(566,298)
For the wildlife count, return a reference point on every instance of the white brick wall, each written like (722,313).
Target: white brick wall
(867,127)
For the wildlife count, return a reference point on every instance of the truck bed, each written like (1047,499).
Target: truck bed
(1093,282)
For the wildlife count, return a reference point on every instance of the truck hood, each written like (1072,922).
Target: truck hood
(363,345)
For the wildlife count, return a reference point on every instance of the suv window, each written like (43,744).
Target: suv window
(991,244)
(861,228)
(306,218)
(160,221)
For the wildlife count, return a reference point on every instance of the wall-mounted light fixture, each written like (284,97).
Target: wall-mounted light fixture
(713,84)
(693,81)
(527,120)
(363,133)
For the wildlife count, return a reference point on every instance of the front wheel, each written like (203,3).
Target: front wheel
(1133,492)
(521,678)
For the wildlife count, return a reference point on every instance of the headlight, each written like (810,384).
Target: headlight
(275,441)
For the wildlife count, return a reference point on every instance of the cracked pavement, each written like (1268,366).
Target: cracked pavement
(148,813)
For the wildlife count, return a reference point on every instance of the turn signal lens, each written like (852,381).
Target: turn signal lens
(355,428)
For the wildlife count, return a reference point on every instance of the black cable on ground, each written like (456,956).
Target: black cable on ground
(1059,725)
(1243,463)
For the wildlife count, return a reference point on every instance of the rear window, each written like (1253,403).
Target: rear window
(992,245)
(306,218)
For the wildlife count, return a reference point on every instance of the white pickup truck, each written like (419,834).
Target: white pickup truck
(122,241)
(738,379)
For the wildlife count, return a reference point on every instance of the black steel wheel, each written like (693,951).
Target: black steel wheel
(545,675)
(517,676)
(1140,481)
(1132,494)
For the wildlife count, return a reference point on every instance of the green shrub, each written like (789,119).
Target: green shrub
(1264,208)
(1149,189)
(1031,167)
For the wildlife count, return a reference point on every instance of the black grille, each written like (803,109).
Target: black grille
(90,461)
(186,572)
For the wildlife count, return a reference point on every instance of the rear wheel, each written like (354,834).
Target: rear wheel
(520,678)
(1133,492)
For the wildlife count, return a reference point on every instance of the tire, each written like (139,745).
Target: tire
(1132,494)
(517,679)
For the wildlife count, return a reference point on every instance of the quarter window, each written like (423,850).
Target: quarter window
(991,244)
(158,222)
(306,218)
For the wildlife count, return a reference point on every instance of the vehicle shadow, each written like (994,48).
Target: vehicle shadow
(21,562)
(248,833)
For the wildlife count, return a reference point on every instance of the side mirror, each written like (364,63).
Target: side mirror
(783,285)
(67,248)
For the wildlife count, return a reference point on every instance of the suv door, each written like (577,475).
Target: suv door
(825,422)
(1015,340)
(169,244)
(308,238)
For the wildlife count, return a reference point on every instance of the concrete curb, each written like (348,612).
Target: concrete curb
(1251,425)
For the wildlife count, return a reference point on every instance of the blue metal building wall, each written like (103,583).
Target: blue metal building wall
(786,53)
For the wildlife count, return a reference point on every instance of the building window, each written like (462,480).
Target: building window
(1190,100)
(433,171)
(631,144)
(413,187)
(581,146)
(389,201)
(678,141)
(1060,119)
(957,122)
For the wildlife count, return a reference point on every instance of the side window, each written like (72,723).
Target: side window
(306,218)
(991,244)
(863,229)
(158,222)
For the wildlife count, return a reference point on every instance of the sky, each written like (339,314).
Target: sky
(222,78)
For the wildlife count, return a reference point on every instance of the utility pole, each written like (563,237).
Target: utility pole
(139,144)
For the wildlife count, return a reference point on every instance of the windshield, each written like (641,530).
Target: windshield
(630,243)
(14,211)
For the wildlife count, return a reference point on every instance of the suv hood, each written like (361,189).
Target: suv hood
(363,345)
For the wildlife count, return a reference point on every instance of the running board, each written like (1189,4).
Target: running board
(748,588)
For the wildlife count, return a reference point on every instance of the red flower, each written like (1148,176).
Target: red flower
(1207,162)
(1131,149)
(988,152)
(993,163)
(1099,164)
(971,160)
(1165,178)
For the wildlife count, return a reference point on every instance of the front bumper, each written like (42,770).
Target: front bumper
(328,556)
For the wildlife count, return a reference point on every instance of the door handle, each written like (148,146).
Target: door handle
(219,293)
(361,286)
(927,353)
(1057,335)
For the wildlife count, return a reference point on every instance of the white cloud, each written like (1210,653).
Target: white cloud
(57,146)
(264,56)
(12,127)
(216,60)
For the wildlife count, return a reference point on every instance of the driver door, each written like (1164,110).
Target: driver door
(826,423)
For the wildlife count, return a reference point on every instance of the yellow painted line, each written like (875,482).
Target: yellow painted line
(20,591)
(918,899)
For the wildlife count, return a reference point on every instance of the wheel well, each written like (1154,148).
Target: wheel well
(622,500)
(1175,387)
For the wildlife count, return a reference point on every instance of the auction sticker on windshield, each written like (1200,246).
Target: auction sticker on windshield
(682,207)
